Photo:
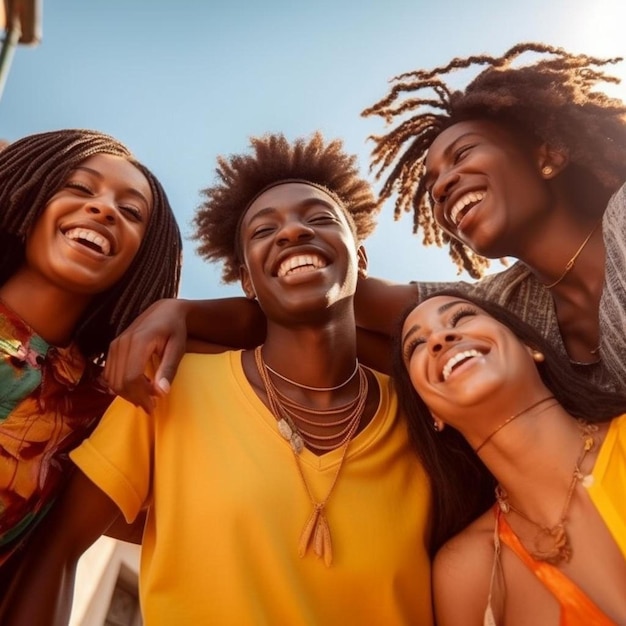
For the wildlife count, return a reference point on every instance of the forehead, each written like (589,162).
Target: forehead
(488,130)
(286,196)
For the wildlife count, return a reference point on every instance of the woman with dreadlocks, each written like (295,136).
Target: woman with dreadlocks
(87,241)
(280,483)
(521,163)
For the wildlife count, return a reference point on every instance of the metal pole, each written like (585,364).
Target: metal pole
(7,51)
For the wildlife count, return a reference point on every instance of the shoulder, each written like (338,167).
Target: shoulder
(461,574)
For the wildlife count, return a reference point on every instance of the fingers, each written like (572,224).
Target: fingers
(170,359)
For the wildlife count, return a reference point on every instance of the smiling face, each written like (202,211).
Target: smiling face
(459,357)
(92,227)
(299,251)
(487,186)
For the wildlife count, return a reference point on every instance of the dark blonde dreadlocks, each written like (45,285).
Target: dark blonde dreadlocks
(551,100)
(32,170)
(242,177)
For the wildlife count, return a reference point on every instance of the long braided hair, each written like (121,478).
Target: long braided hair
(551,99)
(32,170)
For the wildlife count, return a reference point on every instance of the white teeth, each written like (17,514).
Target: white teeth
(461,203)
(456,359)
(77,234)
(300,263)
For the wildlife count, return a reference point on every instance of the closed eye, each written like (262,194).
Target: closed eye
(462,152)
(323,219)
(410,347)
(460,313)
(79,186)
(133,212)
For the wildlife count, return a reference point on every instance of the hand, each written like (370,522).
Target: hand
(158,336)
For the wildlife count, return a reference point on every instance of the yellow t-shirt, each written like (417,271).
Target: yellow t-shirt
(607,487)
(228,506)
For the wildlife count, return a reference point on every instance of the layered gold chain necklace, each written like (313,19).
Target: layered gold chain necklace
(288,413)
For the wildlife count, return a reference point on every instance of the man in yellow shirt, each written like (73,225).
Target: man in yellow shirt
(279,482)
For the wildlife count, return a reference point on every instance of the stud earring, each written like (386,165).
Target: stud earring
(547,170)
(362,272)
(438,425)
(538,357)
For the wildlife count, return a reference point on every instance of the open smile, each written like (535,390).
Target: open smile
(90,239)
(457,360)
(299,263)
(461,207)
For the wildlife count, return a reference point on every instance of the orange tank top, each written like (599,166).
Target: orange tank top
(576,607)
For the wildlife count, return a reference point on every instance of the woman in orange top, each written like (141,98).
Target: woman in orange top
(495,410)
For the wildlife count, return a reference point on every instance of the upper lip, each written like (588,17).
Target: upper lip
(313,253)
(98,229)
(448,358)
(459,200)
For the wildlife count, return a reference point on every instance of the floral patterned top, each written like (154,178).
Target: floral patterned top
(50,401)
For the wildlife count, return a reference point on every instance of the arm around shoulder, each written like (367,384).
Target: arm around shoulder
(380,303)
(48,567)
(461,575)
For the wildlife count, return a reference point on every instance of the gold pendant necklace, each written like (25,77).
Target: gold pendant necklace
(552,544)
(316,531)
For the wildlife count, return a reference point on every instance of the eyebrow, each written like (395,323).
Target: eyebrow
(97,174)
(442,309)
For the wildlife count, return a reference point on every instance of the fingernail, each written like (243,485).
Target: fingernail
(164,385)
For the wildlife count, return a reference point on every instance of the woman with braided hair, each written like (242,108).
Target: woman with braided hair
(522,163)
(82,226)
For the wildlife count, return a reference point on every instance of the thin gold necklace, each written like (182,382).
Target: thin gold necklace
(316,531)
(561,550)
(570,264)
(509,420)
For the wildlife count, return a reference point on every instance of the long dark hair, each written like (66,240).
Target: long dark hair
(32,170)
(462,486)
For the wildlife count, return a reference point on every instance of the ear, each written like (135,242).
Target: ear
(551,161)
(362,261)
(246,282)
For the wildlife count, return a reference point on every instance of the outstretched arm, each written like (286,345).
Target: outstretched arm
(159,336)
(42,591)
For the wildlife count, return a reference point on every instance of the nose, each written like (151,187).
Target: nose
(294,231)
(103,209)
(443,185)
(439,340)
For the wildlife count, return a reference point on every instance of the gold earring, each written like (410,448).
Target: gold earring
(438,425)
(538,357)
(547,170)
(362,272)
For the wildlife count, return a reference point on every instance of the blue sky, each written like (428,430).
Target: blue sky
(182,81)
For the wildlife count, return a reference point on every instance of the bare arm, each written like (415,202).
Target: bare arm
(461,574)
(380,303)
(42,591)
(159,336)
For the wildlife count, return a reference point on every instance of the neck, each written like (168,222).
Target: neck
(51,312)
(317,357)
(533,459)
(576,256)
